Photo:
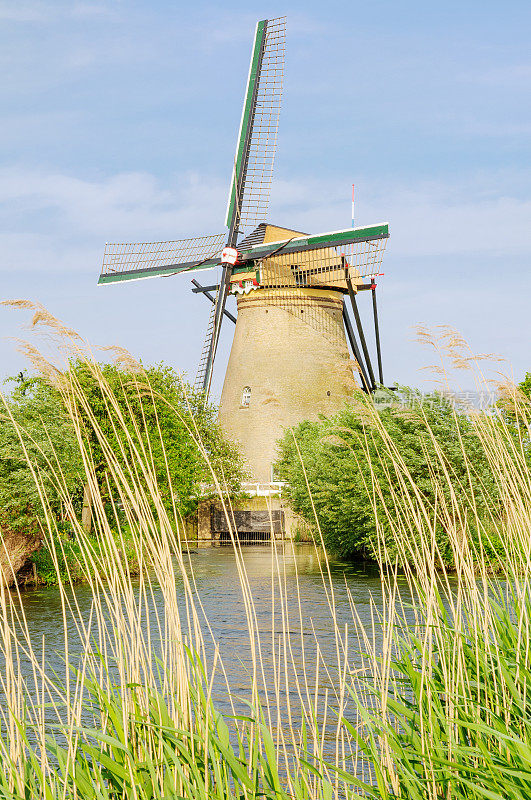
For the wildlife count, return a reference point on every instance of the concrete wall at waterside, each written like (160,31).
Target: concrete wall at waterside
(269,517)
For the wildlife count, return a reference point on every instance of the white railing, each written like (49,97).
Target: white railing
(263,489)
(253,489)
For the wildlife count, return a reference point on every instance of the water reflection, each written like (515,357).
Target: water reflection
(217,584)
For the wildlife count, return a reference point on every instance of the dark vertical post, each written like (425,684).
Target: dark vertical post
(355,350)
(359,326)
(377,334)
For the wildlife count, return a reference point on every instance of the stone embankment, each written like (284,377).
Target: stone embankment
(15,551)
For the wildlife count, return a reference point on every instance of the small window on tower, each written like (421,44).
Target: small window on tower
(246,396)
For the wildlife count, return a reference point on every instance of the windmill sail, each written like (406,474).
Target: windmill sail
(199,383)
(255,152)
(289,267)
(362,247)
(255,155)
(323,265)
(134,261)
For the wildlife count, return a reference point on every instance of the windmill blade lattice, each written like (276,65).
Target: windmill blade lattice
(289,275)
(322,266)
(200,382)
(255,153)
(136,260)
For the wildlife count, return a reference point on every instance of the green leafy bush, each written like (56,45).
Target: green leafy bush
(363,468)
(174,432)
(35,429)
(174,428)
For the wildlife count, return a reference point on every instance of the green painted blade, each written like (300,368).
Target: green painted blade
(255,151)
(135,261)
(318,241)
(323,261)
(158,272)
(246,122)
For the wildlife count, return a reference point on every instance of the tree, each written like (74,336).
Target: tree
(525,385)
(43,423)
(351,469)
(178,432)
(35,429)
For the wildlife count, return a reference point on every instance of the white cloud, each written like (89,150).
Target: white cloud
(55,226)
(125,204)
(34,252)
(20,11)
(52,216)
(93,9)
(501,128)
(426,219)
(38,10)
(422,226)
(57,221)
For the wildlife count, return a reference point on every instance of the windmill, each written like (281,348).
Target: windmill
(289,357)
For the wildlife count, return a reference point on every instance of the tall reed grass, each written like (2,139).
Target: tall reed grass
(132,714)
(435,704)
(450,711)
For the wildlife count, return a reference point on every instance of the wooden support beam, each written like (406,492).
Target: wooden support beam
(355,349)
(377,335)
(205,290)
(352,295)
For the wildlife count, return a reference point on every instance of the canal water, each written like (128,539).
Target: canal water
(306,589)
(307,586)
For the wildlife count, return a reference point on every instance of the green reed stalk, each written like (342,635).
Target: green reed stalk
(442,684)
(120,721)
(450,712)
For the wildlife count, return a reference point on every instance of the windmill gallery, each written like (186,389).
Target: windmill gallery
(290,357)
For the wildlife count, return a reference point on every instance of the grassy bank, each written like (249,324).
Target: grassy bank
(435,705)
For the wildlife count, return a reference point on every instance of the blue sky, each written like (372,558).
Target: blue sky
(119,122)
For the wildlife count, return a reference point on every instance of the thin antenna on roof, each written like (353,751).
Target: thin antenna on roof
(352,205)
